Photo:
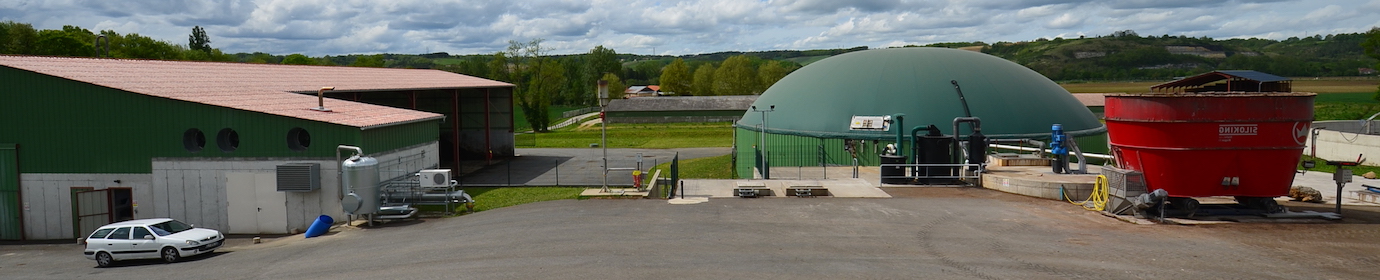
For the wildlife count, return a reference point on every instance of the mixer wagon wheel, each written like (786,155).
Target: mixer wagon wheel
(1267,204)
(1186,204)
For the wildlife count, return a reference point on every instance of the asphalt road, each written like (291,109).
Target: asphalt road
(576,166)
(963,233)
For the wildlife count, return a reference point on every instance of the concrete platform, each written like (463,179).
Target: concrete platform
(614,192)
(1040,181)
(837,187)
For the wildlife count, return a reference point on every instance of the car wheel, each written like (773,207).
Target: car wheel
(103,259)
(170,255)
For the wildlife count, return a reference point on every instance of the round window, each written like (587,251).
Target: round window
(298,139)
(228,140)
(193,140)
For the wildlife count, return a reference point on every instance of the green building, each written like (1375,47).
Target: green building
(674,109)
(808,113)
(85,142)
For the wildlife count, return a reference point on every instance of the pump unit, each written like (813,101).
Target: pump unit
(434,178)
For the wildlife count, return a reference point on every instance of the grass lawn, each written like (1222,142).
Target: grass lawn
(489,198)
(1345,106)
(720,167)
(645,136)
(1321,166)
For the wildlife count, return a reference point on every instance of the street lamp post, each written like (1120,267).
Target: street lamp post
(604,130)
(766,164)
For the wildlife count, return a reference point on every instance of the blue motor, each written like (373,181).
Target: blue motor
(1059,145)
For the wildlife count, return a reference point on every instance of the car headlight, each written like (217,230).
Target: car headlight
(193,242)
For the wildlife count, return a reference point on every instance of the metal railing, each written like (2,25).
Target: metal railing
(911,171)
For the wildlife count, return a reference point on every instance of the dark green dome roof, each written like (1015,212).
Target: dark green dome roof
(1013,101)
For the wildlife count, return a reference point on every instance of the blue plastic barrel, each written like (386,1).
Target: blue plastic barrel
(320,226)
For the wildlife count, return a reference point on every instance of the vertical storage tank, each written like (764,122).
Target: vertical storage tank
(361,185)
(1211,144)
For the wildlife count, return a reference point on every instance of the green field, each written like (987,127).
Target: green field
(644,136)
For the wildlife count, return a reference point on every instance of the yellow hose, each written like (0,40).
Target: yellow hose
(1097,201)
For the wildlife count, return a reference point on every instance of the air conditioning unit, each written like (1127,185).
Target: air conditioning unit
(299,177)
(435,178)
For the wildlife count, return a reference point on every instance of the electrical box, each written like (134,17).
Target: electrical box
(435,178)
(1342,176)
(871,123)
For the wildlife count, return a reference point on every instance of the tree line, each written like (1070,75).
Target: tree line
(543,79)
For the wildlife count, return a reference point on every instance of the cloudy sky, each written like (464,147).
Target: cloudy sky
(333,27)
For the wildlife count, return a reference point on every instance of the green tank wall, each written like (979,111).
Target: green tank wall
(64,126)
(793,150)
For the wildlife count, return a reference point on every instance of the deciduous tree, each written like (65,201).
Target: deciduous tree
(368,61)
(735,77)
(298,59)
(1371,46)
(676,78)
(198,40)
(769,73)
(703,85)
(616,86)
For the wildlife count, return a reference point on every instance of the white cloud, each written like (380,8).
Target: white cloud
(322,27)
(1064,21)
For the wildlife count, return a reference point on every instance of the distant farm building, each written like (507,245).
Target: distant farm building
(85,142)
(671,109)
(1096,102)
(642,91)
(1227,81)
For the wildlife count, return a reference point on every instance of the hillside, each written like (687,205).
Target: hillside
(1127,56)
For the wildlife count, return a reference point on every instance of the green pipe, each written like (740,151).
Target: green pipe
(900,133)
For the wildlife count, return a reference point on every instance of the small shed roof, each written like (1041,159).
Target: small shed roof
(683,103)
(1214,76)
(266,88)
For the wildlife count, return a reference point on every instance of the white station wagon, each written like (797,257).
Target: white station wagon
(148,239)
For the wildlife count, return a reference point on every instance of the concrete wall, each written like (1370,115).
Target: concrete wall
(47,199)
(194,190)
(1341,140)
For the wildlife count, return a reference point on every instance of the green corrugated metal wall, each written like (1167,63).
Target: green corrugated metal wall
(399,136)
(791,150)
(10,210)
(73,127)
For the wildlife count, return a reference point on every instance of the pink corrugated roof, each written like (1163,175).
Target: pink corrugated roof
(266,88)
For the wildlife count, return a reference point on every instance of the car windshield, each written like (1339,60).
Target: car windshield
(169,227)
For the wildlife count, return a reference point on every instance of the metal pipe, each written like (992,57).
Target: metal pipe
(900,125)
(1021,148)
(321,99)
(976,125)
(961,99)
